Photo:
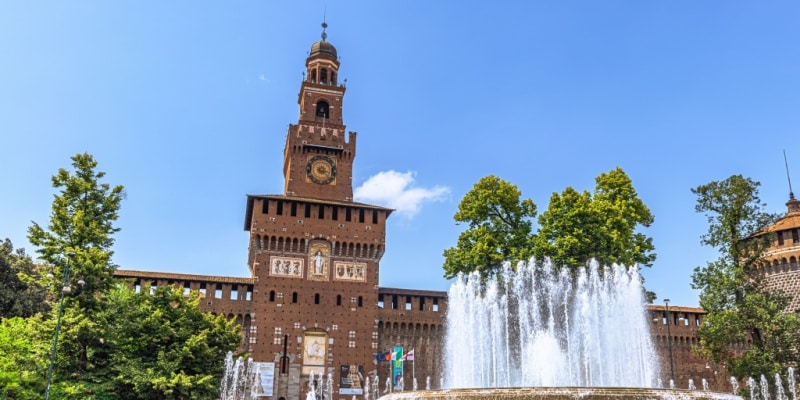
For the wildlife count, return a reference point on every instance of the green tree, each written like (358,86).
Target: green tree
(165,347)
(81,224)
(579,226)
(24,351)
(500,229)
(20,293)
(738,308)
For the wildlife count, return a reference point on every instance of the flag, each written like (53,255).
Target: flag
(409,356)
(379,357)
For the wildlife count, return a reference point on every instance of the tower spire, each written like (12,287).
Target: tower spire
(324,24)
(793,204)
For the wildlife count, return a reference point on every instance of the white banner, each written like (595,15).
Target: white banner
(264,380)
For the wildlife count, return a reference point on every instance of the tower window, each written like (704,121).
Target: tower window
(374,217)
(322,109)
(271,295)
(338,299)
(361,215)
(333,78)
(347,215)
(280,208)
(265,206)
(316,298)
(321,210)
(308,211)
(335,213)
(314,76)
(294,209)
(780,238)
(294,297)
(360,301)
(795,236)
(323,76)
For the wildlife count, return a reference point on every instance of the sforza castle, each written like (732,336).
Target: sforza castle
(312,304)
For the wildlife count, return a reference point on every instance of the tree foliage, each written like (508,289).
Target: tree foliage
(576,227)
(579,226)
(113,343)
(24,351)
(165,347)
(499,228)
(738,308)
(20,293)
(81,223)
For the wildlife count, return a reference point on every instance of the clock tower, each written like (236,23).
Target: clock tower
(318,157)
(314,252)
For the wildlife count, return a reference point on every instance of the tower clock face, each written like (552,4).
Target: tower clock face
(321,170)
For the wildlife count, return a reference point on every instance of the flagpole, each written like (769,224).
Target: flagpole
(413,369)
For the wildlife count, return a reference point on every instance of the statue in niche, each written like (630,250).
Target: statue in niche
(319,262)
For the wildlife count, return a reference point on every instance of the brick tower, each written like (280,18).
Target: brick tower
(314,253)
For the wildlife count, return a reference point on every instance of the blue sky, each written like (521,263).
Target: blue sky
(186,104)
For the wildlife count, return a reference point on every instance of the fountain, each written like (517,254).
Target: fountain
(538,332)
(238,379)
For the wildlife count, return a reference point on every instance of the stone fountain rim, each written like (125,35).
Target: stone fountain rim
(575,391)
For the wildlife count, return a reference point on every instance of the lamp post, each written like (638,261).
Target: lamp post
(669,340)
(65,289)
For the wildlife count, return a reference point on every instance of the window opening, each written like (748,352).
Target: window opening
(316,298)
(294,297)
(294,209)
(280,208)
(322,109)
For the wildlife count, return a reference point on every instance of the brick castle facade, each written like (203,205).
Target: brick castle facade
(313,304)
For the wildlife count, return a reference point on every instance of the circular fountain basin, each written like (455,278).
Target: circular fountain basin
(560,393)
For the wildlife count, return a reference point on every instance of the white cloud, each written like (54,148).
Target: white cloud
(263,78)
(395,190)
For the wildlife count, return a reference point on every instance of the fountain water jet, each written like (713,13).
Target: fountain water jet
(531,330)
(538,326)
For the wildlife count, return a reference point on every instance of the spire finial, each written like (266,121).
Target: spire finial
(789,178)
(793,204)
(324,24)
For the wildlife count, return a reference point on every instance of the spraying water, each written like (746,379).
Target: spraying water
(538,326)
(238,379)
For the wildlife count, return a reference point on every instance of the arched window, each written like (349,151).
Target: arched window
(322,109)
(314,76)
(271,295)
(323,76)
(333,78)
